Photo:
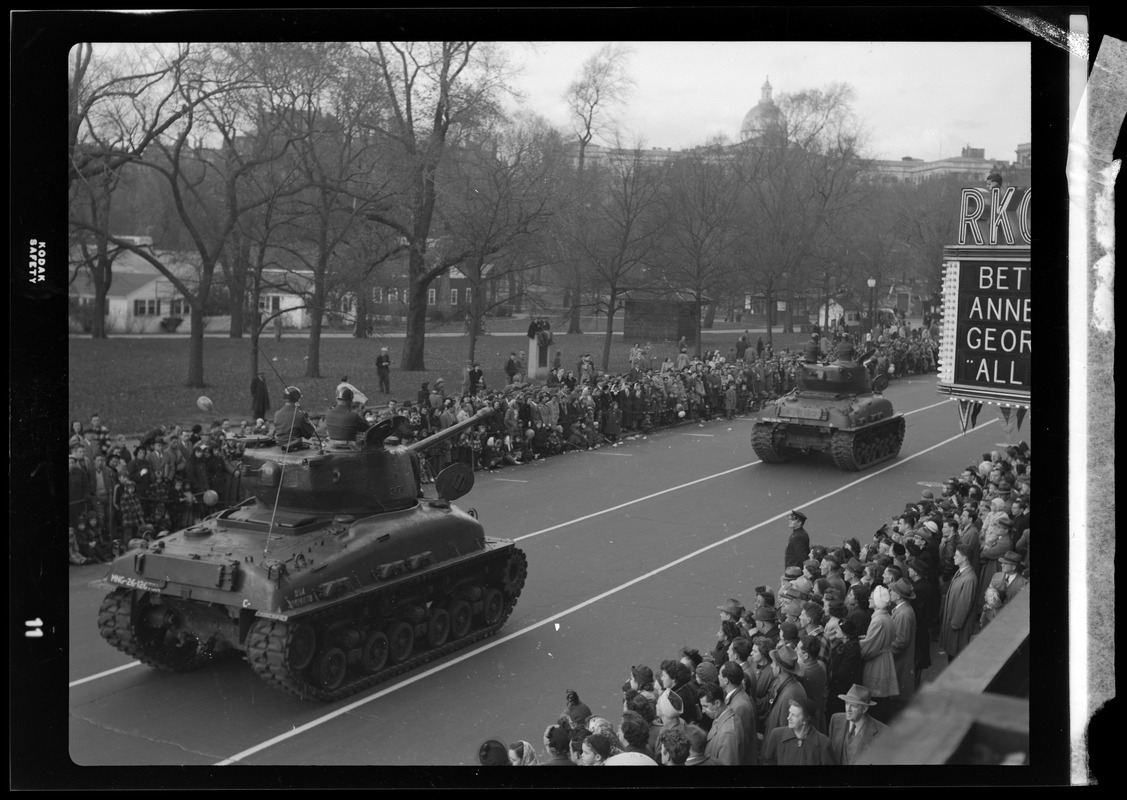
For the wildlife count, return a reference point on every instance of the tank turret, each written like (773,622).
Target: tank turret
(335,575)
(832,409)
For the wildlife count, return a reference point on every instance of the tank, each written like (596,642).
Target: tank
(336,575)
(833,409)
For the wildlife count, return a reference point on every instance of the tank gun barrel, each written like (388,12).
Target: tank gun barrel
(448,433)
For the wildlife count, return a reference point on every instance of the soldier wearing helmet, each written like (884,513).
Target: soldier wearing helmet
(291,424)
(343,423)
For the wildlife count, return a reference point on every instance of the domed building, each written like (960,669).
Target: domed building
(762,117)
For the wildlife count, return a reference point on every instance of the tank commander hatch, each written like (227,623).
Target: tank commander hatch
(344,424)
(291,424)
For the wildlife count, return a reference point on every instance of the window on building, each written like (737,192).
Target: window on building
(469,295)
(757,305)
(431,296)
(146,308)
(453,297)
(377,295)
(178,307)
(392,295)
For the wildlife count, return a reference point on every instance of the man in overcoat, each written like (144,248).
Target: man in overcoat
(956,623)
(853,731)
(784,665)
(904,639)
(725,738)
(259,396)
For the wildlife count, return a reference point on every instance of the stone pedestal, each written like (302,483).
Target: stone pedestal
(537,362)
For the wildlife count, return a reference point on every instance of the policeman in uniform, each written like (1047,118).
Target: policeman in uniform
(343,423)
(291,424)
(798,545)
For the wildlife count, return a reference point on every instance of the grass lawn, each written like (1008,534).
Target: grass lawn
(136,384)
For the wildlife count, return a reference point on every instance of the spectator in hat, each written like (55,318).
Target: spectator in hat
(853,731)
(576,710)
(927,614)
(904,631)
(878,664)
(996,542)
(799,743)
(767,623)
(705,672)
(761,648)
(642,681)
(1008,579)
(493,754)
(726,745)
(956,621)
(784,666)
(798,544)
(557,744)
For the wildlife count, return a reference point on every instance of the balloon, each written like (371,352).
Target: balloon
(210,497)
(529,434)
(204,403)
(681,414)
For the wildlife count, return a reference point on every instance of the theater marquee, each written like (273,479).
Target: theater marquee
(985,336)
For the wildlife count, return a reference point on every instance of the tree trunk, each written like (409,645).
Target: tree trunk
(610,330)
(237,284)
(101,288)
(697,320)
(316,315)
(413,349)
(360,326)
(195,347)
(573,325)
(770,316)
(710,316)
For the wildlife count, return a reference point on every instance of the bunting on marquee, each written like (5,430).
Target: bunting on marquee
(968,413)
(1011,419)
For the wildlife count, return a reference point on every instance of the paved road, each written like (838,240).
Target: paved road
(630,550)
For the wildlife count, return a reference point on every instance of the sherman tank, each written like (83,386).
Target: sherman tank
(336,575)
(834,409)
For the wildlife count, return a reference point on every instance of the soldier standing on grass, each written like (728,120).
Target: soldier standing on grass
(259,396)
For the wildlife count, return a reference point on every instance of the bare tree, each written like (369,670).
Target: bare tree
(699,235)
(437,92)
(593,98)
(619,233)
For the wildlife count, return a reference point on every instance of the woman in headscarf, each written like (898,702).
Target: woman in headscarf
(521,754)
(878,665)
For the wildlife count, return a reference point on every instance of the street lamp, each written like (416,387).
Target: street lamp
(872,302)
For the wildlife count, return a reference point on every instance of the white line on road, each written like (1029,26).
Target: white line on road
(710,435)
(105,674)
(509,480)
(622,455)
(503,640)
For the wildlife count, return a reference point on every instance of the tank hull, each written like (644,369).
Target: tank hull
(858,431)
(308,598)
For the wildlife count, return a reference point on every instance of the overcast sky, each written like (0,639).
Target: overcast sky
(922,99)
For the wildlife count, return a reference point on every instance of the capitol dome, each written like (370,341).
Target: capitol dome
(763,116)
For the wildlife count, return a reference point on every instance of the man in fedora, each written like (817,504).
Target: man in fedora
(901,592)
(798,545)
(766,623)
(957,617)
(784,665)
(1009,580)
(853,731)
(731,610)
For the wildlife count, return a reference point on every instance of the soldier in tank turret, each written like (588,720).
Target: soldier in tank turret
(291,424)
(813,349)
(343,423)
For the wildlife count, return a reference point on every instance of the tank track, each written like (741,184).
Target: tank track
(117,623)
(269,641)
(765,441)
(857,450)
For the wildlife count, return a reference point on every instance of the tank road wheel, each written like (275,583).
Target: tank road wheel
(493,605)
(330,669)
(438,627)
(401,635)
(301,647)
(375,652)
(461,618)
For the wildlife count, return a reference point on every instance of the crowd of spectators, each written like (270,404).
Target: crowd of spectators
(814,671)
(177,474)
